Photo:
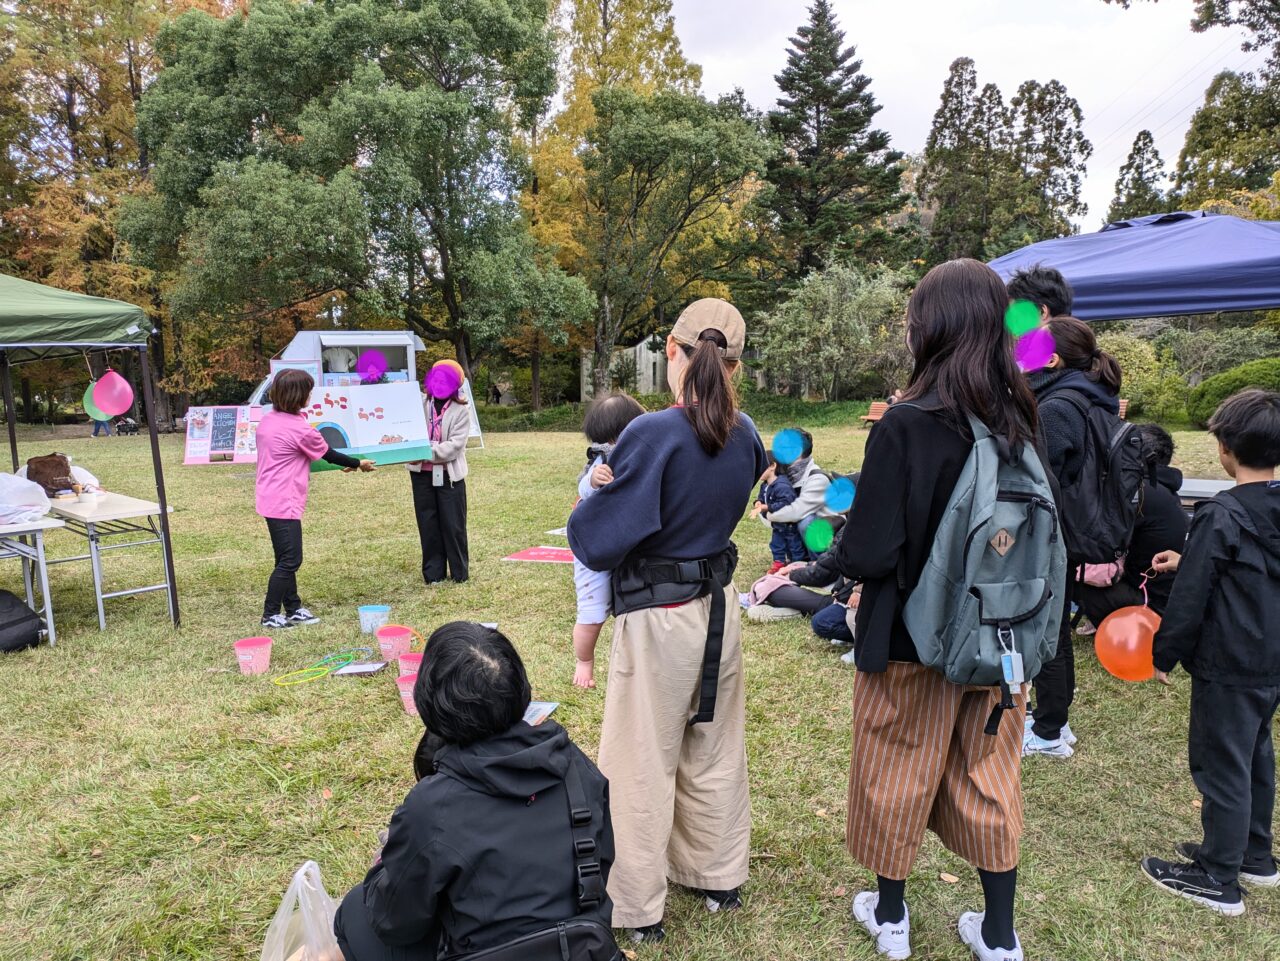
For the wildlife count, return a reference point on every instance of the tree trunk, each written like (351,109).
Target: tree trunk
(603,349)
(535,377)
(28,412)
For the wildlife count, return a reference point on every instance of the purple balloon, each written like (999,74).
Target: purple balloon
(1034,349)
(443,382)
(371,365)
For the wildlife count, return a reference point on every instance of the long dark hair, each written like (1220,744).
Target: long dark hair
(707,393)
(1075,343)
(962,350)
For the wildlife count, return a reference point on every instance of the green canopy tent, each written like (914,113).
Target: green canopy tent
(39,323)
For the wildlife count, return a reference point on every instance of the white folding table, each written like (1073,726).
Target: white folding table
(110,516)
(26,541)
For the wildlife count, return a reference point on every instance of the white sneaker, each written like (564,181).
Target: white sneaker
(767,612)
(1068,736)
(1033,743)
(276,622)
(971,934)
(849,657)
(892,940)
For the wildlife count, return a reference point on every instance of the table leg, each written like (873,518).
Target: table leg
(44,589)
(168,584)
(95,558)
(26,577)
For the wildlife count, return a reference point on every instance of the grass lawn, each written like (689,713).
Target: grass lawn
(154,802)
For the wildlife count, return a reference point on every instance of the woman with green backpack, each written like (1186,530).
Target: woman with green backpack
(928,751)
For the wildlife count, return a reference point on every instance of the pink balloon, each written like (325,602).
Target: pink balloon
(112,394)
(1034,349)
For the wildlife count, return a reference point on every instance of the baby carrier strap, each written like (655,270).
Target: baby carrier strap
(644,582)
(590,877)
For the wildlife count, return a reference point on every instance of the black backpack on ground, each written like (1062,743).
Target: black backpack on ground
(579,939)
(1100,506)
(20,626)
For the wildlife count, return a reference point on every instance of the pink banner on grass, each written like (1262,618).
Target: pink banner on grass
(543,555)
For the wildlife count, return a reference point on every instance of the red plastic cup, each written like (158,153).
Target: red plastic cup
(410,662)
(254,655)
(405,683)
(395,639)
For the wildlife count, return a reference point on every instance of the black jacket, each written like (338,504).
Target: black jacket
(481,852)
(825,571)
(1161,526)
(1064,428)
(1223,619)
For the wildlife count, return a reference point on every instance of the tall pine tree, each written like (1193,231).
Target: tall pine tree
(836,178)
(1051,150)
(1138,190)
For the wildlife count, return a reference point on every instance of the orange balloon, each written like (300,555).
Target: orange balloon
(1124,640)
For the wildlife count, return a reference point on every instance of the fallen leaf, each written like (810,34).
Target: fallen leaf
(197,838)
(840,891)
(96,853)
(1197,803)
(949,878)
(93,670)
(1040,897)
(821,812)
(193,799)
(326,794)
(288,766)
(629,955)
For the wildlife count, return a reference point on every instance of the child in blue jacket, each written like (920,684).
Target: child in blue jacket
(777,492)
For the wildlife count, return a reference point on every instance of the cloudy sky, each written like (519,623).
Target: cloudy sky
(1130,69)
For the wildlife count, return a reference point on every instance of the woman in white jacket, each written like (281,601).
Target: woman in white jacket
(440,489)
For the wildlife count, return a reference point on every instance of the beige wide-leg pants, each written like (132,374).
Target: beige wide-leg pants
(678,793)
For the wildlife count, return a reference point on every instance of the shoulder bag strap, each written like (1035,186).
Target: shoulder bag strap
(588,875)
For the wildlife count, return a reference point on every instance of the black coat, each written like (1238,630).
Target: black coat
(825,571)
(1222,622)
(1064,428)
(481,852)
(1161,526)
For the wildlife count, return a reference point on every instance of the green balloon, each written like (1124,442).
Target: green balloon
(90,407)
(1022,316)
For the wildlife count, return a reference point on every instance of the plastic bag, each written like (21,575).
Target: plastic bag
(21,500)
(302,929)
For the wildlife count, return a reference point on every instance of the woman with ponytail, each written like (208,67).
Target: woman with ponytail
(1079,376)
(673,745)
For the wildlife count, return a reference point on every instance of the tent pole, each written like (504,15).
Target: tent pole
(11,415)
(149,406)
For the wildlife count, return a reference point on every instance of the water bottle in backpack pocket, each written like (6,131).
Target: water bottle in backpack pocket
(988,605)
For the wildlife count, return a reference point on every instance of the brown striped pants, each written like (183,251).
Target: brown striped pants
(921,759)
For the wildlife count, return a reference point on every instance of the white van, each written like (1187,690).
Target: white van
(337,351)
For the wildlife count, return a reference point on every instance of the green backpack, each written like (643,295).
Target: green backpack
(988,605)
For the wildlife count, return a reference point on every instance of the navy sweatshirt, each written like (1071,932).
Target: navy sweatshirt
(668,497)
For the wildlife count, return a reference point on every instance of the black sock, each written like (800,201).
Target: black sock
(891,908)
(998,887)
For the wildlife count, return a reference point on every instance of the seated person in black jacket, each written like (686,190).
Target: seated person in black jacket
(1161,526)
(481,851)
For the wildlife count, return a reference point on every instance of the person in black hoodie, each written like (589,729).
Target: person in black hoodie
(1078,371)
(1223,625)
(482,850)
(1161,526)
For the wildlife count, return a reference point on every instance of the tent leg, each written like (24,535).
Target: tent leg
(149,408)
(11,415)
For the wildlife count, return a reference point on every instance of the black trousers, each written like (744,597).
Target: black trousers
(1098,602)
(1055,685)
(282,587)
(799,599)
(1233,763)
(442,526)
(358,941)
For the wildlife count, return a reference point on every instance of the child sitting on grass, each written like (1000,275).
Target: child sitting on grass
(776,492)
(604,423)
(287,445)
(1222,623)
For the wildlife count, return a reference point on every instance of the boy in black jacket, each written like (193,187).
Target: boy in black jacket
(1223,625)
(482,851)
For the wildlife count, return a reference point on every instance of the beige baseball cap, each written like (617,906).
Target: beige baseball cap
(712,313)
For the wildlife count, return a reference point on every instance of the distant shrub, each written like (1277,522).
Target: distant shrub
(1206,398)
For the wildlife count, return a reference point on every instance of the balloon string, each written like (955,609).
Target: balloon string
(1142,586)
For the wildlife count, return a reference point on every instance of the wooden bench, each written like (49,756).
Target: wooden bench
(877,411)
(1124,408)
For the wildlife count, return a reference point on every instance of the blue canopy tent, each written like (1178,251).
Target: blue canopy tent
(1164,264)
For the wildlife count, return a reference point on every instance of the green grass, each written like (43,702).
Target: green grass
(154,803)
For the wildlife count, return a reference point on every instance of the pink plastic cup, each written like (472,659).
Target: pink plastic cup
(254,655)
(406,682)
(410,662)
(395,639)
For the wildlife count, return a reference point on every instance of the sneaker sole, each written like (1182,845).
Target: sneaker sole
(1226,910)
(1060,754)
(715,907)
(775,614)
(901,955)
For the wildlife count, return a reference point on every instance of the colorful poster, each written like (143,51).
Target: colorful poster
(384,423)
(221,435)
